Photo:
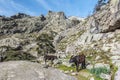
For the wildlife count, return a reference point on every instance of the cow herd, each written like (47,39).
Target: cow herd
(77,60)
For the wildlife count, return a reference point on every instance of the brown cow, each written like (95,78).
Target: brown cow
(50,57)
(77,60)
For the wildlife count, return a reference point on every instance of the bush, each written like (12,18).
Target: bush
(45,43)
(17,55)
(99,4)
(98,71)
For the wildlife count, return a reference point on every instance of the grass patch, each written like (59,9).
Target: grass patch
(65,68)
(97,78)
(80,77)
(83,75)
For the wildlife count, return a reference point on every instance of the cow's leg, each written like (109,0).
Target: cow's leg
(45,61)
(77,67)
(51,62)
(1,58)
(83,65)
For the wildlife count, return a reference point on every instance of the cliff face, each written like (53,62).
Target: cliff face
(97,36)
(27,33)
(22,23)
(108,18)
(68,33)
(99,31)
(105,20)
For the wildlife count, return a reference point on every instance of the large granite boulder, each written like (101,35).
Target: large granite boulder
(22,70)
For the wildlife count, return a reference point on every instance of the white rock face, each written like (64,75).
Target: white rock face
(92,78)
(31,48)
(114,5)
(117,75)
(76,18)
(22,70)
(70,49)
(87,38)
(105,76)
(12,42)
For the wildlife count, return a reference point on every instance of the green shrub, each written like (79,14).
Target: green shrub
(45,43)
(44,37)
(17,55)
(97,78)
(98,71)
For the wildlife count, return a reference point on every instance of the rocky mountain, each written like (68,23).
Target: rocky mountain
(99,31)
(22,23)
(22,70)
(97,36)
(24,32)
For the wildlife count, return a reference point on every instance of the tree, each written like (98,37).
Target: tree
(99,4)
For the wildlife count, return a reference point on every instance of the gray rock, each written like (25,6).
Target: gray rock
(22,70)
(105,76)
(92,78)
(31,48)
(104,20)
(23,23)
(117,75)
(10,42)
(73,73)
(19,15)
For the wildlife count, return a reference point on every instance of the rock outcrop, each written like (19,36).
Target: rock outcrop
(22,23)
(22,70)
(117,75)
(11,42)
(19,15)
(98,36)
(100,25)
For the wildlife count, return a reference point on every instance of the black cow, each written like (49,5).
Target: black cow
(79,59)
(50,57)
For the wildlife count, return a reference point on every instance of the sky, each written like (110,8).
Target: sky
(80,8)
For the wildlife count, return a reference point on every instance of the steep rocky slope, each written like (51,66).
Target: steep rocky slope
(97,36)
(99,32)
(25,33)
(22,23)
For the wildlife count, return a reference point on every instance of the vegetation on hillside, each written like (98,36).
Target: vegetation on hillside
(13,55)
(99,4)
(45,42)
